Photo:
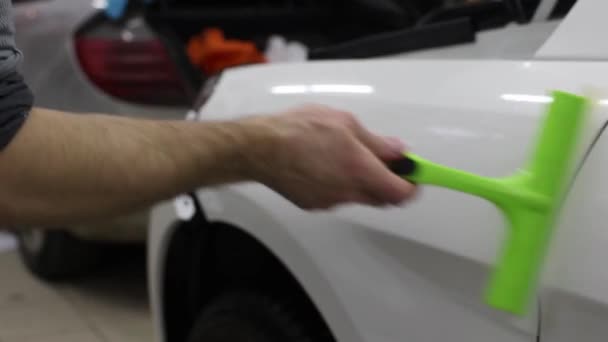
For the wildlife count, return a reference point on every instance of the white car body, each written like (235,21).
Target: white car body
(417,272)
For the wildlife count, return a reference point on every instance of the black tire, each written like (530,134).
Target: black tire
(251,317)
(54,255)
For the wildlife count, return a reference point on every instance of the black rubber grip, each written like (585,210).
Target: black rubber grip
(402,167)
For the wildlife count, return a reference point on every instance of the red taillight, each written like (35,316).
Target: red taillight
(136,71)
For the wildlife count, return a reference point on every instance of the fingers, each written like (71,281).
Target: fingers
(383,187)
(396,145)
(385,148)
(380,186)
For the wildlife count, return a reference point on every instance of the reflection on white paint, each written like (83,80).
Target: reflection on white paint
(537,98)
(289,89)
(460,133)
(453,132)
(341,88)
(100,4)
(323,88)
(526,98)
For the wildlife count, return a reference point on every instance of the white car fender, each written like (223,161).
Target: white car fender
(240,209)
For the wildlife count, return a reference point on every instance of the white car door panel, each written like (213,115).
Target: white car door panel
(480,116)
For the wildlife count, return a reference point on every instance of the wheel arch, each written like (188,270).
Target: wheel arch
(186,270)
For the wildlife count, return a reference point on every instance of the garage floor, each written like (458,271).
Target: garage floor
(110,306)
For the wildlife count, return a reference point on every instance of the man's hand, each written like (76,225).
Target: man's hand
(324,157)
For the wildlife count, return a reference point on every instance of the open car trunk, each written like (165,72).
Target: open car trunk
(333,29)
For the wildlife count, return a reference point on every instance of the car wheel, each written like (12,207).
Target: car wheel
(250,317)
(55,255)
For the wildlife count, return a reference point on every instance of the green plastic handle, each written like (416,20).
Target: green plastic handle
(499,191)
(529,199)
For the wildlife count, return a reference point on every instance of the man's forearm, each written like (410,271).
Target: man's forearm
(63,168)
(66,167)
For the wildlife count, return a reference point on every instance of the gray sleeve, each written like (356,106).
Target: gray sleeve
(16,99)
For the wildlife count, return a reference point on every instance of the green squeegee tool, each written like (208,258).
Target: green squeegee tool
(529,199)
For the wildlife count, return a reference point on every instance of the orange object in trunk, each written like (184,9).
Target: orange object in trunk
(212,52)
